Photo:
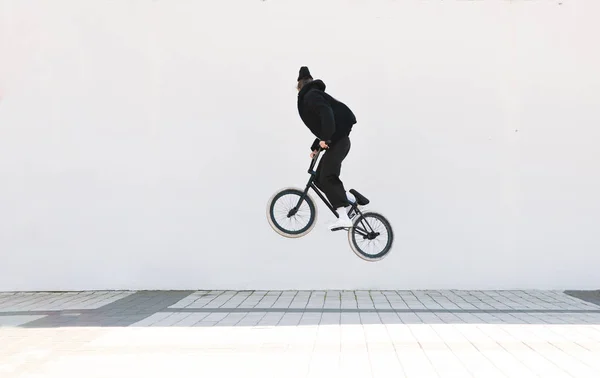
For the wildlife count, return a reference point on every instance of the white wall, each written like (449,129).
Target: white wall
(140,141)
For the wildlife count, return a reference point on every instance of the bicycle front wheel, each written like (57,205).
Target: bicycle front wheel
(287,218)
(371,236)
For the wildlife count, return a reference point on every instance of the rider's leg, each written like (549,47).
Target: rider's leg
(329,182)
(351,198)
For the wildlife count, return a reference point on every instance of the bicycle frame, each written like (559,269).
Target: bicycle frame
(311,185)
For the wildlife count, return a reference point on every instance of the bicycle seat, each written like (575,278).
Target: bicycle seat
(360,199)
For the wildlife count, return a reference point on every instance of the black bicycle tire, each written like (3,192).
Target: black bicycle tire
(281,230)
(357,250)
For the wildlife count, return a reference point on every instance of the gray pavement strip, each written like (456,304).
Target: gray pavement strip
(380,310)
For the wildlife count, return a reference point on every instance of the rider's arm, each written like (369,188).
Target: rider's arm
(320,105)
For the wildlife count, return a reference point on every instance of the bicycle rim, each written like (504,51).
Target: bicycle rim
(297,225)
(362,237)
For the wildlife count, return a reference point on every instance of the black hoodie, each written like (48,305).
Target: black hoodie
(327,118)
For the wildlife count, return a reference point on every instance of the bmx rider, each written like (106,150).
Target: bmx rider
(331,122)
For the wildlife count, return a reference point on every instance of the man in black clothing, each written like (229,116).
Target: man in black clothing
(331,122)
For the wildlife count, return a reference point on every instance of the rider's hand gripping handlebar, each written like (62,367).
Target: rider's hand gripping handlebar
(313,161)
(316,157)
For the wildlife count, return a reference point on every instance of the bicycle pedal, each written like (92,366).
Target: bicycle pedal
(339,228)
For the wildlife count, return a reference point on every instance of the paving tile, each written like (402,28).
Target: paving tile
(310,319)
(171,319)
(151,320)
(290,319)
(271,319)
(330,318)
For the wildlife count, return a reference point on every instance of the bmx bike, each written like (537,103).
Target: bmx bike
(292,213)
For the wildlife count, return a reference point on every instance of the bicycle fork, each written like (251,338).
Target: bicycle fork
(295,209)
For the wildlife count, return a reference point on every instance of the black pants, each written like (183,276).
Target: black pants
(328,173)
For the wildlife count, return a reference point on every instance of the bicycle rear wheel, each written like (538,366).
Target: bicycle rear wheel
(371,236)
(287,222)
